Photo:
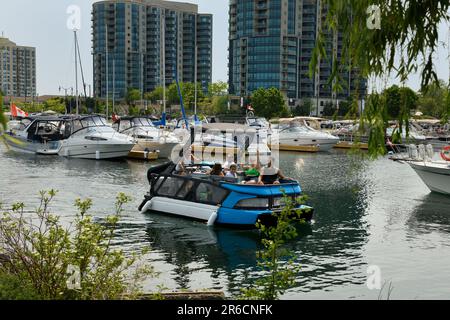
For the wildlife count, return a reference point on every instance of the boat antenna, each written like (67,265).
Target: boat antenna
(81,67)
(183,111)
(76,70)
(163,54)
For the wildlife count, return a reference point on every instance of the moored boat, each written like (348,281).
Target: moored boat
(148,137)
(89,137)
(217,200)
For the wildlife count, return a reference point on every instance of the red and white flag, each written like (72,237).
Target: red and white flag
(17,112)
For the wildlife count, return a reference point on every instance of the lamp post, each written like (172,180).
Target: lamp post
(65,94)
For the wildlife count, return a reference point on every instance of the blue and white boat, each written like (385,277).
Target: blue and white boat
(218,200)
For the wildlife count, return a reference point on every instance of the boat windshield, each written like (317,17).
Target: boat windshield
(93,122)
(141,122)
(83,123)
(296,128)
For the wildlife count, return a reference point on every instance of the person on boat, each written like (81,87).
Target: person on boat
(252,173)
(217,170)
(187,159)
(229,162)
(270,175)
(232,173)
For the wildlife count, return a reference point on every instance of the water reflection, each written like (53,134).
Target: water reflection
(431,215)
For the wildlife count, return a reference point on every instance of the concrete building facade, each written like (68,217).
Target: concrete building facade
(131,35)
(17,69)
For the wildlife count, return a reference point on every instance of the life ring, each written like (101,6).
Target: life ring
(445,153)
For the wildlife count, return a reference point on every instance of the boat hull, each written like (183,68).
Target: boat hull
(436,178)
(307,145)
(25,146)
(225,216)
(96,151)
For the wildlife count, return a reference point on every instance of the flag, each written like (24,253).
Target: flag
(17,112)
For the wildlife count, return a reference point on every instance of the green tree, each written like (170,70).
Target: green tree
(155,96)
(132,96)
(220,104)
(2,116)
(304,109)
(269,103)
(433,101)
(393,100)
(219,88)
(55,104)
(188,92)
(329,109)
(408,29)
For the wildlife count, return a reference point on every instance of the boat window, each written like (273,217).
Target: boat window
(254,203)
(146,122)
(125,124)
(99,121)
(158,183)
(185,189)
(77,125)
(87,123)
(23,124)
(208,193)
(170,187)
(136,122)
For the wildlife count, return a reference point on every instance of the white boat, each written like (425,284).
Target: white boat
(89,137)
(36,135)
(435,174)
(293,134)
(433,168)
(147,136)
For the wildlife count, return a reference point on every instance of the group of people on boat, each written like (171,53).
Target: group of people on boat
(253,174)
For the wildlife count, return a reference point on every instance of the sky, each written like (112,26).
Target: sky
(43,24)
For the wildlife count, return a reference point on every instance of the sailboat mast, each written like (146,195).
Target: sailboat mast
(107,72)
(76,70)
(163,52)
(195,79)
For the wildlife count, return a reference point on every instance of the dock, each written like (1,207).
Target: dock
(144,155)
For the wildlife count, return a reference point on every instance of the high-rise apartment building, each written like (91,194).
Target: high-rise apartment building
(271,45)
(128,41)
(17,69)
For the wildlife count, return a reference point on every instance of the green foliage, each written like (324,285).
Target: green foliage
(155,96)
(434,100)
(220,104)
(279,277)
(329,109)
(375,120)
(132,96)
(406,42)
(2,116)
(400,101)
(269,103)
(56,104)
(219,88)
(409,30)
(188,93)
(304,109)
(43,254)
(13,287)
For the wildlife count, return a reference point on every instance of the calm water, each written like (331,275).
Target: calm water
(367,213)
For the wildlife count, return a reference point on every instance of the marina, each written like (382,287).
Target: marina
(238,150)
(366,213)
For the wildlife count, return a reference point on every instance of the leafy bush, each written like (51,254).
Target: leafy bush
(51,261)
(277,277)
